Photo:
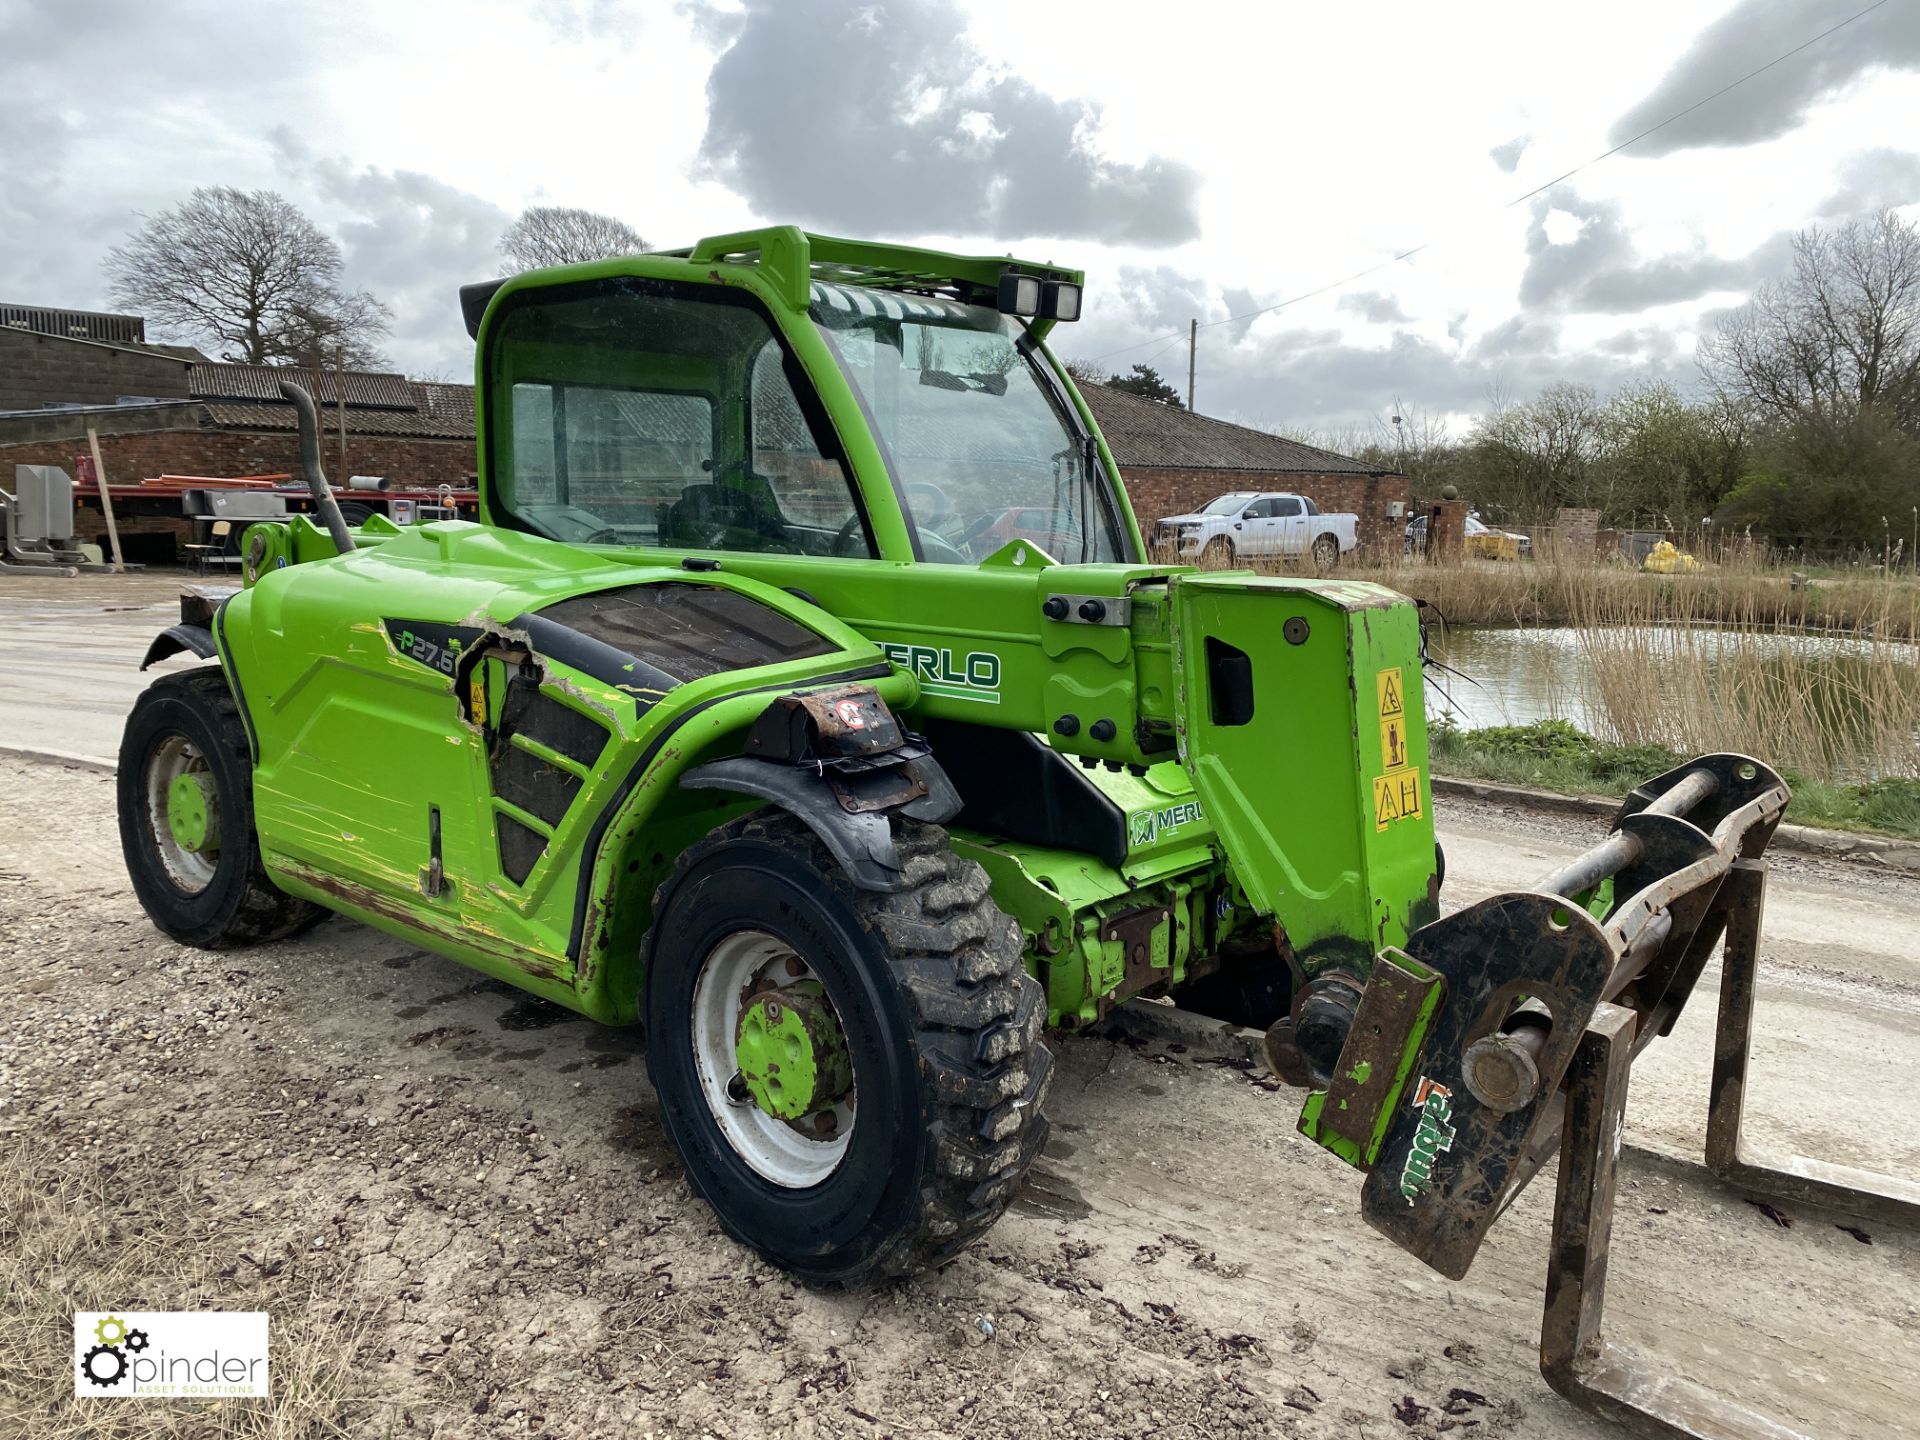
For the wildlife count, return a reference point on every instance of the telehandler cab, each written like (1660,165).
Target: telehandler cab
(806,694)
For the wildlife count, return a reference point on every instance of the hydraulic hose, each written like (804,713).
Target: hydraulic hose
(323,500)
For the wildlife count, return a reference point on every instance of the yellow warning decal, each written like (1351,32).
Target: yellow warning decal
(1392,700)
(1396,796)
(1393,742)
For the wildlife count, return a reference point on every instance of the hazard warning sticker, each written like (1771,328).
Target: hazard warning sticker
(1396,796)
(1393,742)
(1392,697)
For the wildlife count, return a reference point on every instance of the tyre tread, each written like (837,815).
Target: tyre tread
(263,912)
(977,1017)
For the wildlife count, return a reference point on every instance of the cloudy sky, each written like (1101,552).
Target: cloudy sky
(1197,160)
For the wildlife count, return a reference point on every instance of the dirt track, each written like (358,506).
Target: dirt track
(460,1210)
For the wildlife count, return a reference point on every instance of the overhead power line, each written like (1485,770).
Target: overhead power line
(1518,199)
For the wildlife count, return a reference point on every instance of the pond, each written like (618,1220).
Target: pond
(1842,705)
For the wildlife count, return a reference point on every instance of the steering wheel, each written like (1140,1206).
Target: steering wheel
(842,541)
(930,542)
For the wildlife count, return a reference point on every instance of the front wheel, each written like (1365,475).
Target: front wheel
(185,793)
(853,1080)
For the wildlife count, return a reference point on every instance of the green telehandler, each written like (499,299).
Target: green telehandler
(806,694)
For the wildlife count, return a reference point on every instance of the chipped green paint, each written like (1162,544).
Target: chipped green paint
(1363,1156)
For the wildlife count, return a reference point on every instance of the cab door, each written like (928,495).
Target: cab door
(1255,529)
(1288,534)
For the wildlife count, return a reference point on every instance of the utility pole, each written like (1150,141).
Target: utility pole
(1193,339)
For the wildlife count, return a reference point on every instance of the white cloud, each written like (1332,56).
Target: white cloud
(1207,164)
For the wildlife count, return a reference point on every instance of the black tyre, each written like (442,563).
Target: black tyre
(186,818)
(1219,554)
(937,1114)
(355,512)
(1326,552)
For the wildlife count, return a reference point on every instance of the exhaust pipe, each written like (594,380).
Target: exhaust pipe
(323,500)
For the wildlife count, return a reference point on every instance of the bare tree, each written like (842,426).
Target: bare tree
(1530,459)
(1087,372)
(1839,336)
(338,336)
(547,235)
(249,273)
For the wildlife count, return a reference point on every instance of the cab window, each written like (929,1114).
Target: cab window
(635,412)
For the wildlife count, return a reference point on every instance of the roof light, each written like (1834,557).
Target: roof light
(1060,300)
(1019,294)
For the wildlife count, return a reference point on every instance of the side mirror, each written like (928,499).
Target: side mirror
(1248,515)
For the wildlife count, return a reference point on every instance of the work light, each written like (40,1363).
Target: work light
(1060,300)
(1019,294)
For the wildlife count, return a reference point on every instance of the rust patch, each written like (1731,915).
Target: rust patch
(359,897)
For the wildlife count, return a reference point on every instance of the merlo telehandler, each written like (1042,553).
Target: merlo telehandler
(805,694)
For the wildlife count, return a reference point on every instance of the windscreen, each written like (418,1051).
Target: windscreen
(979,438)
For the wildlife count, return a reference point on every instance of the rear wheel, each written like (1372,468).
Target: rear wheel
(852,1079)
(1326,552)
(186,818)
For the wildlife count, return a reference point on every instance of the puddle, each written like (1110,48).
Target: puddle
(608,1059)
(410,1012)
(533,1053)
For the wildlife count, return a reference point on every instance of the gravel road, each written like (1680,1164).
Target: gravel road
(459,1208)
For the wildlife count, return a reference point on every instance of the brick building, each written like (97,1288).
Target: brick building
(168,410)
(1173,462)
(38,369)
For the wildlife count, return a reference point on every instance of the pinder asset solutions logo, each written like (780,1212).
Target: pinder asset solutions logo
(183,1354)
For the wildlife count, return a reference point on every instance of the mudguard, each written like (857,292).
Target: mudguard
(176,638)
(194,633)
(840,762)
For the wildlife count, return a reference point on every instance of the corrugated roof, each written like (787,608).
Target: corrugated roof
(422,424)
(368,388)
(1148,435)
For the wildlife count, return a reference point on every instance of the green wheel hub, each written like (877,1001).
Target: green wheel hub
(792,1053)
(193,812)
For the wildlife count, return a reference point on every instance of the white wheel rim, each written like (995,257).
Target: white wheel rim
(741,964)
(191,871)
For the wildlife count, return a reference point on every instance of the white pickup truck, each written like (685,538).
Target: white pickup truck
(1258,523)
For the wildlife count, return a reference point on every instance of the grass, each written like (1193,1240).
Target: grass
(1561,591)
(85,1235)
(1553,755)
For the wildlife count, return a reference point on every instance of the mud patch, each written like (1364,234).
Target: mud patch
(532,1013)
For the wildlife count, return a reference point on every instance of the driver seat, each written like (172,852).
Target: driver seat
(747,504)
